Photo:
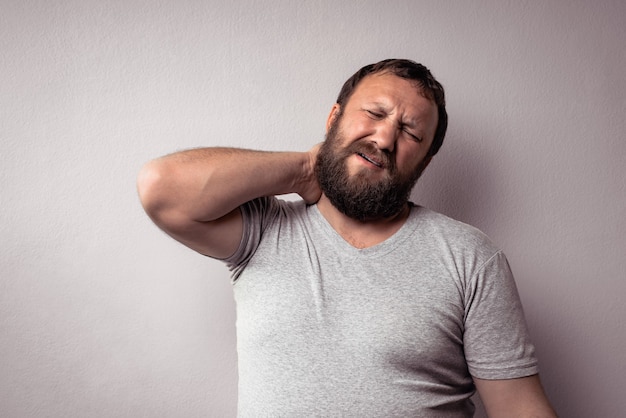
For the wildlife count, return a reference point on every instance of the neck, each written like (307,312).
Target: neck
(362,234)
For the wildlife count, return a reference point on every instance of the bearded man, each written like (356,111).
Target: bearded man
(354,301)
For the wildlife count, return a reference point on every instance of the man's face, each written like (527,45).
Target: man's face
(376,147)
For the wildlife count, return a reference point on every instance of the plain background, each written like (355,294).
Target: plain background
(101,315)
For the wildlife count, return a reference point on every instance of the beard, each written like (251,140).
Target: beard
(359,196)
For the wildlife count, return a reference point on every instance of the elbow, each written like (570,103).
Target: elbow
(151,188)
(158,185)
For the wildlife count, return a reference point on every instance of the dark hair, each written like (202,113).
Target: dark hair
(409,70)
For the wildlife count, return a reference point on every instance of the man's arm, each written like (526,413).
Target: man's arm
(194,195)
(513,398)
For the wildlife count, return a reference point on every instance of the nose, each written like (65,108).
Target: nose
(385,136)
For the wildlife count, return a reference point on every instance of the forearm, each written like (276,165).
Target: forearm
(522,397)
(205,184)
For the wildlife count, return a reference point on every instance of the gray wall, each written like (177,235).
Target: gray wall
(101,315)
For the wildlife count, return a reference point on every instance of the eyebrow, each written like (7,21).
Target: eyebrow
(409,121)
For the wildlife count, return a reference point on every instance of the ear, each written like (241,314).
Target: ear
(332,116)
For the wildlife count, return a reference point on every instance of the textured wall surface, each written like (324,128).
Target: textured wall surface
(102,316)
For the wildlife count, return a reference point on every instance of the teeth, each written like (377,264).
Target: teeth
(377,164)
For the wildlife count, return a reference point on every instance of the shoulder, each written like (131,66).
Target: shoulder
(273,204)
(451,233)
(443,224)
(262,218)
(268,210)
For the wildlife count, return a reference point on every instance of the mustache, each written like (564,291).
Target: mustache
(369,149)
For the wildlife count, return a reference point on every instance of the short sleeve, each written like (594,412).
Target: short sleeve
(256,215)
(496,340)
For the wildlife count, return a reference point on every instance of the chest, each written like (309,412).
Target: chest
(397,311)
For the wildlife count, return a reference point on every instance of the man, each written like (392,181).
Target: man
(354,301)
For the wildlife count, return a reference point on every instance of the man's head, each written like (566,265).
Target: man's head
(414,72)
(380,137)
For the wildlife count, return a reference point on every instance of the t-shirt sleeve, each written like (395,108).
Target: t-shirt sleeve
(256,215)
(496,339)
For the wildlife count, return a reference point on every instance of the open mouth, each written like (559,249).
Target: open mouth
(368,159)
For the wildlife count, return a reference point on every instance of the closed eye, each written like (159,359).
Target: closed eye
(413,136)
(374,114)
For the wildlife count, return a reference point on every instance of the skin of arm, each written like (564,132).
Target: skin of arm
(194,195)
(514,398)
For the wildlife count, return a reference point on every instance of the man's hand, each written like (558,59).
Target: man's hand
(310,190)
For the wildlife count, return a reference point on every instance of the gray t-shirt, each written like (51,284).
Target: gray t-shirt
(394,330)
